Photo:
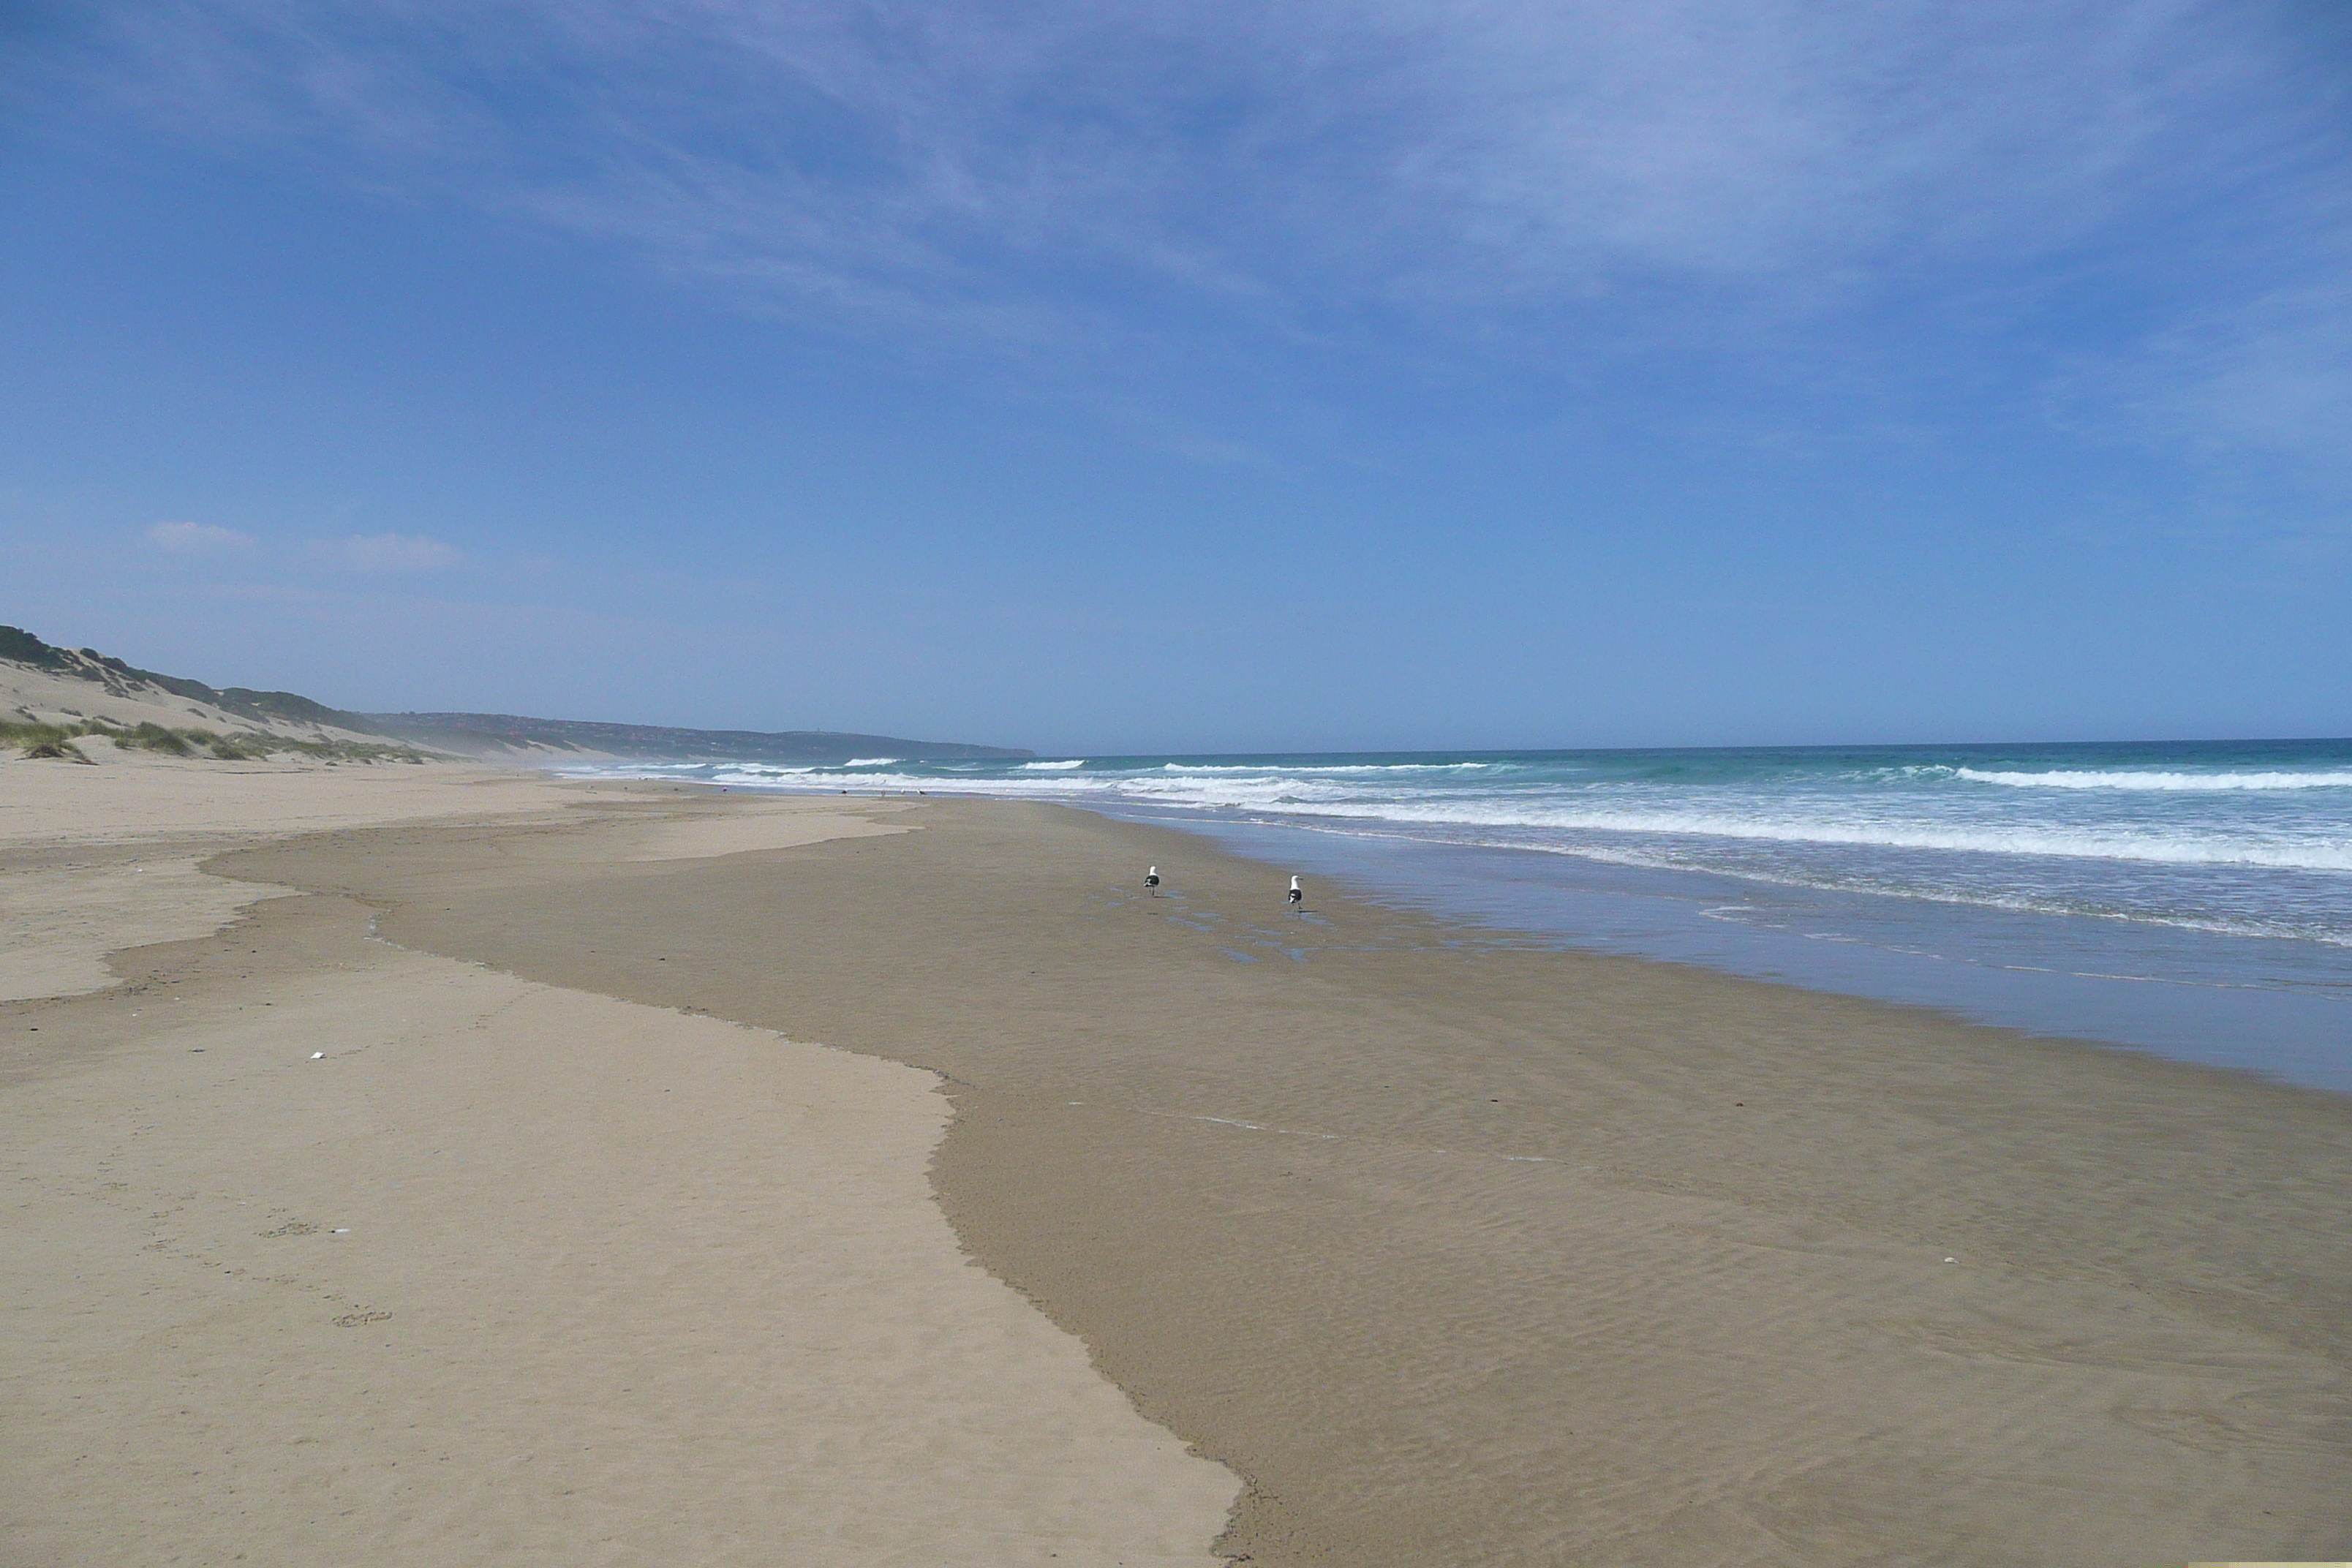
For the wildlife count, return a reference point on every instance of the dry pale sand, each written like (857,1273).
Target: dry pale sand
(1463,1251)
(323,1250)
(96,858)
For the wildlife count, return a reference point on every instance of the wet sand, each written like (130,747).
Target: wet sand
(1460,1250)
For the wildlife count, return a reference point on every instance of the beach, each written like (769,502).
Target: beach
(323,1250)
(692,1175)
(2188,899)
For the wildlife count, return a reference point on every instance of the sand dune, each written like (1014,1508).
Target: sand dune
(64,696)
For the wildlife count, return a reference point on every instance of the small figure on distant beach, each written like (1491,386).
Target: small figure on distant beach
(1297,896)
(1151,880)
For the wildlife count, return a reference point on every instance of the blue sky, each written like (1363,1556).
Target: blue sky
(1134,378)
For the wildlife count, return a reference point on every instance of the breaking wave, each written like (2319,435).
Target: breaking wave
(2169,782)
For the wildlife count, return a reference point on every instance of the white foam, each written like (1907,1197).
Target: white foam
(1642,819)
(2068,778)
(2088,842)
(1333,770)
(1062,765)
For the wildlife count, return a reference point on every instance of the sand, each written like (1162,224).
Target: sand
(97,858)
(1451,1248)
(323,1250)
(66,696)
(1459,1250)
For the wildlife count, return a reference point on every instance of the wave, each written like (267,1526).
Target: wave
(2174,849)
(872,762)
(2021,903)
(1302,798)
(1327,769)
(1054,767)
(1298,797)
(2126,780)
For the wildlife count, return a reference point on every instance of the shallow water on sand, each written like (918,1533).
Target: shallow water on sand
(2179,994)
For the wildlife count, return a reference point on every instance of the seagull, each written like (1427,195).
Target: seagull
(1151,880)
(1297,896)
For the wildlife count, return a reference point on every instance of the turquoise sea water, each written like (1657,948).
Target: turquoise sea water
(2190,898)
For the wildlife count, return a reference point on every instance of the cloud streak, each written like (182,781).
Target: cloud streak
(824,142)
(1059,172)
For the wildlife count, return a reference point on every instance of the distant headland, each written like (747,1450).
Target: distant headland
(52,697)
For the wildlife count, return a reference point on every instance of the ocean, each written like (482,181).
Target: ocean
(2190,898)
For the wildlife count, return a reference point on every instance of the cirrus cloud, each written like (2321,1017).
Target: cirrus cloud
(1585,180)
(875,156)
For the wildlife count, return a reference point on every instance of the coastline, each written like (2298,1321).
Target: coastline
(2168,1003)
(1459,1249)
(2185,898)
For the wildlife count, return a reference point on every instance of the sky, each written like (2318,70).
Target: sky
(1119,378)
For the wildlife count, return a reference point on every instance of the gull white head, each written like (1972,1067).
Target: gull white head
(1294,884)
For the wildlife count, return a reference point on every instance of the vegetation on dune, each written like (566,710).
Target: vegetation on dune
(411,737)
(39,740)
(121,679)
(23,647)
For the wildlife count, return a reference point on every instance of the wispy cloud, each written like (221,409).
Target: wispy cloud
(197,538)
(1063,172)
(833,147)
(2268,373)
(2275,373)
(390,552)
